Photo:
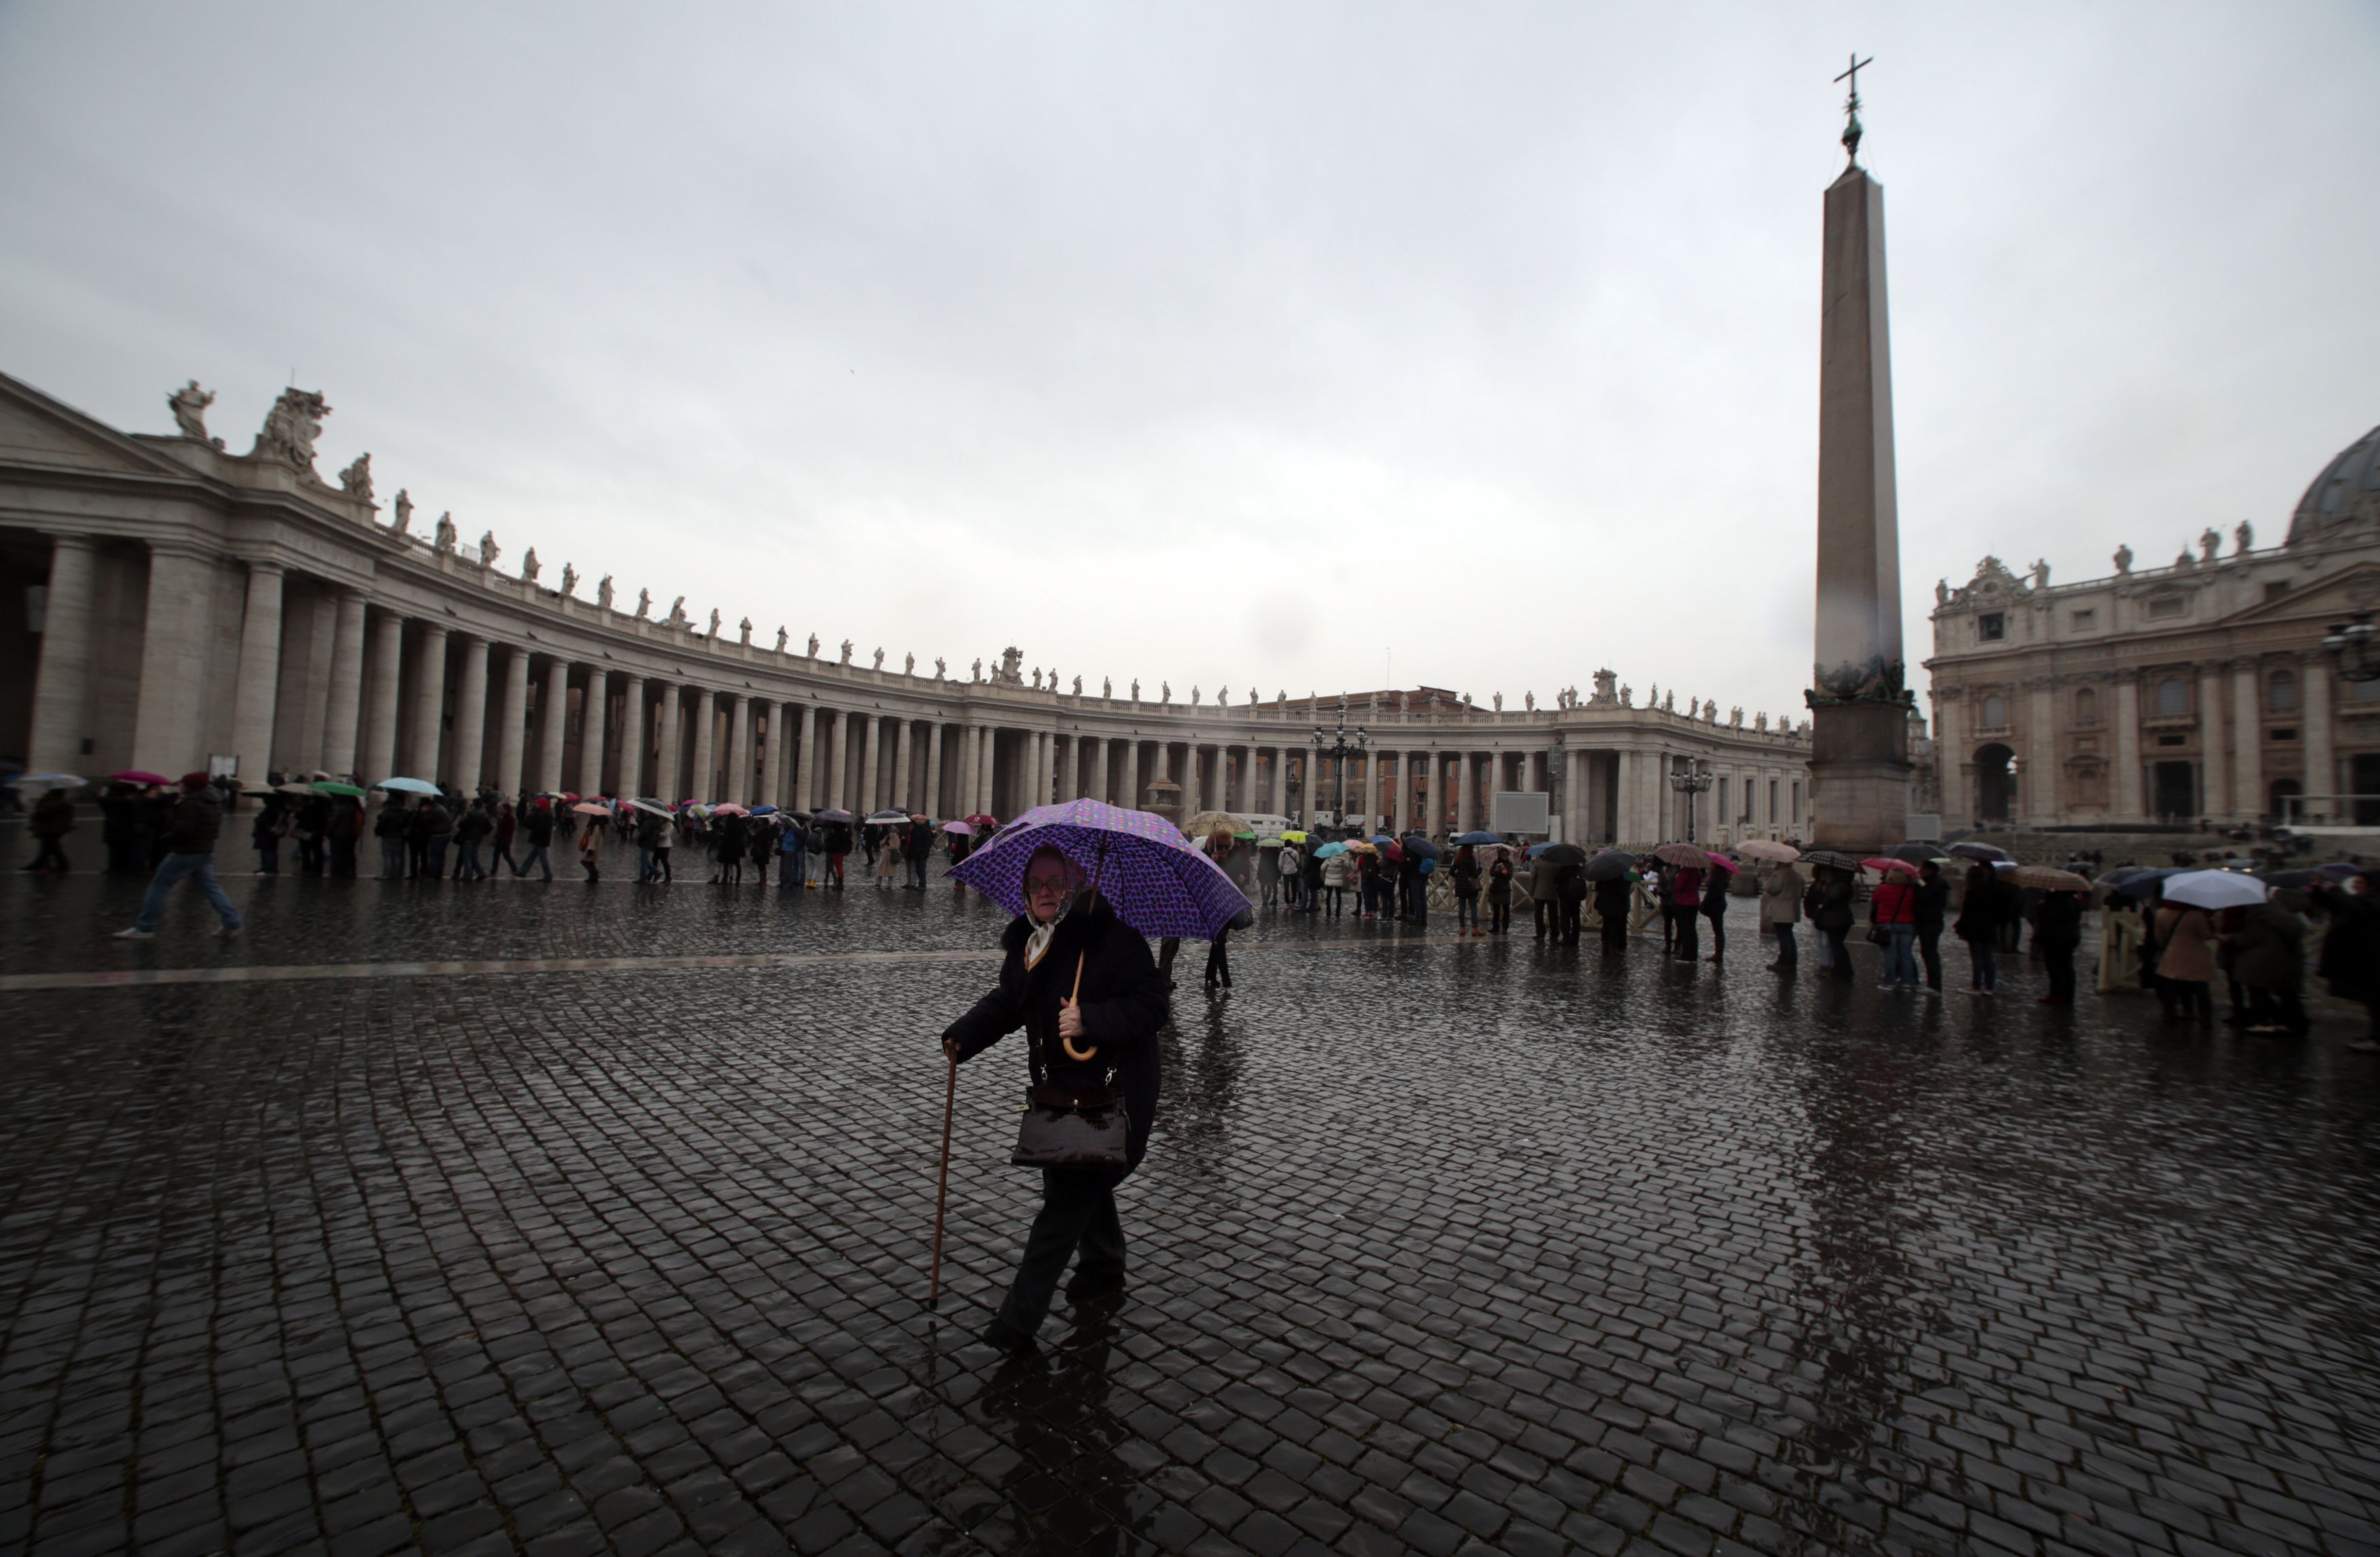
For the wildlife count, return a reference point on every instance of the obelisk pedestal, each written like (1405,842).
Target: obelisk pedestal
(1859,756)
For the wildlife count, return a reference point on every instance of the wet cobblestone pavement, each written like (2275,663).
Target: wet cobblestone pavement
(1439,1245)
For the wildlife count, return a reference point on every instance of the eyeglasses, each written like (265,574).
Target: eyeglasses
(1036,886)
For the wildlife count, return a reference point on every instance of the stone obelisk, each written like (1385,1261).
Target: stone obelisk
(1859,754)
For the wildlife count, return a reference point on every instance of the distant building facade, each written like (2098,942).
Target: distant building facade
(168,604)
(2196,691)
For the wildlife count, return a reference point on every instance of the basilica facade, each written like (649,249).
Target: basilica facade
(173,605)
(2200,691)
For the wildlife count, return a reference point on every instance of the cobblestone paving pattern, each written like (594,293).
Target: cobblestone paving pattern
(1439,1246)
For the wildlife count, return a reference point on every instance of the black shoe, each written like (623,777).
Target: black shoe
(1090,1289)
(1015,1343)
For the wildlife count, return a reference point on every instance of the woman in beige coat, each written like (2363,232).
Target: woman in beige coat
(2185,961)
(1781,906)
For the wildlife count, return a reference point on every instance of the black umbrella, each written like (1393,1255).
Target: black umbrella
(1916,854)
(1835,858)
(1611,865)
(1420,847)
(1563,854)
(1979,851)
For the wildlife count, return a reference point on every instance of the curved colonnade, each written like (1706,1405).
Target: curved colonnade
(196,605)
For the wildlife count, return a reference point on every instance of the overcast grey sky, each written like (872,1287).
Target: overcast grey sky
(1220,343)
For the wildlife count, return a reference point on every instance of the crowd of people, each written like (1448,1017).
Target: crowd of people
(2175,951)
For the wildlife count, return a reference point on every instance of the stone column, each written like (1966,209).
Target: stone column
(772,759)
(869,793)
(2321,759)
(2128,805)
(737,787)
(833,773)
(669,770)
(1434,787)
(1949,757)
(1860,729)
(636,736)
(313,699)
(934,769)
(706,737)
(62,682)
(904,754)
(553,719)
(987,756)
(379,759)
(1281,781)
(346,686)
(429,702)
(1071,775)
(1130,799)
(806,789)
(1193,793)
(165,734)
(512,723)
(2041,757)
(260,673)
(2214,760)
(594,729)
(1461,764)
(2247,740)
(470,716)
(1091,763)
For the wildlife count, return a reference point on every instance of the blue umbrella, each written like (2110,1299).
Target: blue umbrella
(1328,850)
(764,811)
(408,785)
(1479,835)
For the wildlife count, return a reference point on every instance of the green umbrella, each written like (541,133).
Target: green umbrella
(332,786)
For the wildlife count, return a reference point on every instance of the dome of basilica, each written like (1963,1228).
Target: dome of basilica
(2348,486)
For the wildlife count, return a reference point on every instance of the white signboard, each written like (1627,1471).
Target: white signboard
(1515,811)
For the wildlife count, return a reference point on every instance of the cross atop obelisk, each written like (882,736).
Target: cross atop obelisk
(1851,105)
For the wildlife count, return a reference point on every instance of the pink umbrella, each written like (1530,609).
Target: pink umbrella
(961,828)
(1724,863)
(728,808)
(1882,864)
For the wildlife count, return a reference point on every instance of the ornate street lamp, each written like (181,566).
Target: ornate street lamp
(2352,648)
(1691,781)
(1338,747)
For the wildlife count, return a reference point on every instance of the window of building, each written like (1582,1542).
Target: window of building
(2173,697)
(1720,810)
(2282,692)
(2086,621)
(2276,589)
(2285,732)
(1797,802)
(2168,606)
(1995,711)
(1992,626)
(2086,706)
(2172,741)
(2364,691)
(1772,802)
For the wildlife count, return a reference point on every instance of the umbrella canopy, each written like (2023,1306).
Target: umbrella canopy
(1394,853)
(1916,854)
(292,789)
(651,807)
(835,814)
(1208,822)
(979,819)
(137,775)
(764,811)
(2138,881)
(1480,835)
(1835,858)
(408,785)
(1884,862)
(1361,845)
(1611,865)
(887,818)
(2048,878)
(1384,838)
(2214,889)
(333,786)
(1153,878)
(1559,853)
(1292,836)
(2310,875)
(1722,862)
(589,807)
(1978,851)
(729,807)
(1682,854)
(1769,849)
(964,830)
(1267,843)
(1329,851)
(48,781)
(1420,847)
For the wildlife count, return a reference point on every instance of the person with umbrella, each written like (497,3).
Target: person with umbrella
(1893,910)
(537,827)
(1714,887)
(1986,902)
(1835,911)
(189,840)
(1933,897)
(591,840)
(916,847)
(51,820)
(2350,959)
(264,835)
(2057,931)
(1465,872)
(1615,891)
(2185,935)
(1780,908)
(1499,894)
(476,825)
(1083,986)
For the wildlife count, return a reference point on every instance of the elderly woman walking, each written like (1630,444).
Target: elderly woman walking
(1083,986)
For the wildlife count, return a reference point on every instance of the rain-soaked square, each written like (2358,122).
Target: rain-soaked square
(580,1217)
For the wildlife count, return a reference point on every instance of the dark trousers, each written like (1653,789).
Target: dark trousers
(1547,920)
(1789,945)
(1078,1211)
(2276,1008)
(1719,934)
(1500,917)
(1929,952)
(1615,931)
(1466,909)
(1842,953)
(2060,962)
(342,857)
(1574,913)
(268,856)
(1219,960)
(51,855)
(309,854)
(1682,920)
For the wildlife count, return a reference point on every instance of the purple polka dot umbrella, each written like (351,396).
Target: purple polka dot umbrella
(1156,879)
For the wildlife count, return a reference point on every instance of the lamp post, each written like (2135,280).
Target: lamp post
(1690,781)
(1338,747)
(2351,644)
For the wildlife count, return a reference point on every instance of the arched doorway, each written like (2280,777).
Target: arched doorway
(1994,782)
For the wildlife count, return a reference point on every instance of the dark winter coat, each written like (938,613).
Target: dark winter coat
(1124,1002)
(1933,896)
(197,818)
(1835,910)
(2058,920)
(1989,904)
(52,816)
(2350,950)
(2269,953)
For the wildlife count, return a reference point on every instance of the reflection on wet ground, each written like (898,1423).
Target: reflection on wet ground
(1439,1243)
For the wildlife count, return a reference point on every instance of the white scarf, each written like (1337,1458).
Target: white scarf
(1037,944)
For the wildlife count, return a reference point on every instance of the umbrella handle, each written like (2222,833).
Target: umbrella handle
(1068,1043)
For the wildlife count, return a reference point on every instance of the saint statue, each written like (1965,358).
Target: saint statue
(487,553)
(1710,710)
(1135,688)
(569,579)
(604,593)
(2041,572)
(1107,688)
(189,404)
(1164,693)
(781,639)
(1760,722)
(1735,717)
(814,646)
(908,664)
(643,604)
(2209,543)
(1627,696)
(530,564)
(677,612)
(1669,704)
(847,651)
(403,511)
(715,622)
(290,428)
(942,668)
(2242,536)
(744,632)
(975,671)
(1078,686)
(1941,591)
(355,479)
(1529,701)
(1037,678)
(2123,559)
(1653,698)
(1467,702)
(1499,702)
(880,659)
(444,539)
(1194,694)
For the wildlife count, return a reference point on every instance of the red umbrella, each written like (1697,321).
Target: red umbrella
(980,819)
(1880,863)
(138,775)
(1724,863)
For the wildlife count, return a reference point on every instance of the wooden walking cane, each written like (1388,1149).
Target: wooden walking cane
(942,1187)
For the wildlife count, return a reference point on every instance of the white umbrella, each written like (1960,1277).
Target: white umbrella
(2214,889)
(1768,849)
